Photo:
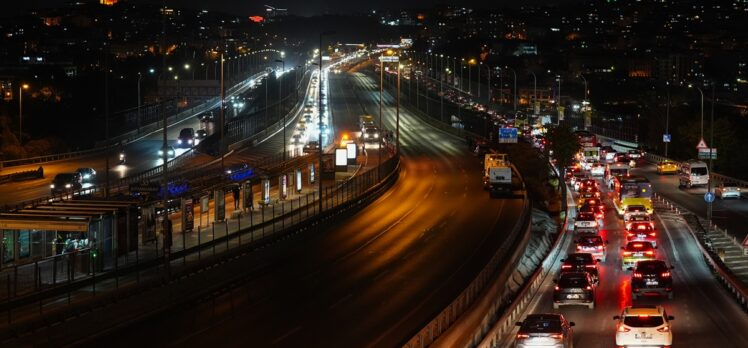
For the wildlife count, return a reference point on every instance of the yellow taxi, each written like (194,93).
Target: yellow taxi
(667,167)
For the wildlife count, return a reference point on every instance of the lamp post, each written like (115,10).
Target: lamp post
(137,116)
(280,110)
(711,147)
(534,90)
(514,91)
(20,111)
(702,109)
(319,133)
(558,118)
(667,115)
(584,95)
(441,88)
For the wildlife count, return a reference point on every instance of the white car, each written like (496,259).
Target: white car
(644,326)
(597,169)
(727,191)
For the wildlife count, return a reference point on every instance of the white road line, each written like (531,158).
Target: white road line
(670,237)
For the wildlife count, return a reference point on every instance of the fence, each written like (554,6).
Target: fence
(62,282)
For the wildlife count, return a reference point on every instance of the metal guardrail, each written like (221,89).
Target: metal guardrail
(733,284)
(132,135)
(507,321)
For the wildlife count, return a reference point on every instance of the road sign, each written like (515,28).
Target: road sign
(709,197)
(145,188)
(508,135)
(666,138)
(702,144)
(389,59)
(705,153)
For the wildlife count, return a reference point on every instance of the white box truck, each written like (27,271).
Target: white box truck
(497,177)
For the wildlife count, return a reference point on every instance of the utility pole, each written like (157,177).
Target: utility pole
(667,115)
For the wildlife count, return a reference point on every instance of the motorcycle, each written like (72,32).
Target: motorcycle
(122,157)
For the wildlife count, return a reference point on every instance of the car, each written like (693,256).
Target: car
(587,194)
(170,152)
(727,191)
(593,244)
(636,251)
(667,167)
(186,137)
(584,183)
(296,138)
(574,288)
(652,277)
(590,189)
(200,134)
(641,231)
(581,262)
(635,154)
(312,146)
(594,209)
(86,174)
(370,134)
(586,222)
(644,326)
(66,182)
(570,171)
(634,209)
(594,202)
(597,170)
(545,330)
(206,117)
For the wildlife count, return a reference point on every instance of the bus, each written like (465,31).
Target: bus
(631,190)
(586,138)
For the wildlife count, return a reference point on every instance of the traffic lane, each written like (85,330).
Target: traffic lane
(705,315)
(416,245)
(347,111)
(728,214)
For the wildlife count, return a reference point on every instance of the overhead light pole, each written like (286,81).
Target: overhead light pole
(280,109)
(667,115)
(534,90)
(702,109)
(514,91)
(319,133)
(20,111)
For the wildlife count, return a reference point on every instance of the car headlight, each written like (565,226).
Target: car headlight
(189,141)
(87,176)
(376,135)
(228,171)
(179,141)
(67,185)
(52,186)
(160,152)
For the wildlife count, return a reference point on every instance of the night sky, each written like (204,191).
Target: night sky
(299,7)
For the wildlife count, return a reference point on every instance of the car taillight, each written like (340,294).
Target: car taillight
(665,274)
(599,247)
(521,336)
(652,234)
(589,287)
(557,288)
(628,226)
(664,329)
(565,266)
(557,336)
(622,328)
(637,275)
(590,266)
(626,253)
(650,253)
(629,234)
(641,227)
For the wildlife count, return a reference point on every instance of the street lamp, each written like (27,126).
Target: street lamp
(667,115)
(319,112)
(470,83)
(702,109)
(280,110)
(584,96)
(514,91)
(137,121)
(20,111)
(534,91)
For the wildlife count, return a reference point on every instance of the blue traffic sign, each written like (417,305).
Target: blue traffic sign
(709,197)
(666,138)
(508,135)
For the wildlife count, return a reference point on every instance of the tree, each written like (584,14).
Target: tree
(564,145)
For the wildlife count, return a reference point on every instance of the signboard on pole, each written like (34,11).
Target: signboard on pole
(707,153)
(283,181)
(266,191)
(311,173)
(702,144)
(709,197)
(188,214)
(508,135)
(298,180)
(220,205)
(666,138)
(389,59)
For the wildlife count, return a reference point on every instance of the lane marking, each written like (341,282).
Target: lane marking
(670,237)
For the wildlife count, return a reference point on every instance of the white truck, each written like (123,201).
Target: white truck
(497,174)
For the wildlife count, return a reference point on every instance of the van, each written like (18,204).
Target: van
(693,173)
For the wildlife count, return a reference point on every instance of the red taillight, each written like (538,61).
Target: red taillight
(599,247)
(637,275)
(579,247)
(521,336)
(652,234)
(664,329)
(565,266)
(650,253)
(641,227)
(629,234)
(626,253)
(665,274)
(590,266)
(557,288)
(622,328)
(628,226)
(557,336)
(589,287)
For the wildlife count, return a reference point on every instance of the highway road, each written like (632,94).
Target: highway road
(141,155)
(706,315)
(373,278)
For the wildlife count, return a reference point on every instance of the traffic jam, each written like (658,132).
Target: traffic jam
(616,257)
